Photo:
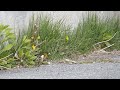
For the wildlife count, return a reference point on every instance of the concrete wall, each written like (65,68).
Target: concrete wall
(20,18)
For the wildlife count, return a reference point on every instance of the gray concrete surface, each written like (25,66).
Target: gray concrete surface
(20,18)
(66,71)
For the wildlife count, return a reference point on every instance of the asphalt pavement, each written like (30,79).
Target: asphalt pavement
(65,71)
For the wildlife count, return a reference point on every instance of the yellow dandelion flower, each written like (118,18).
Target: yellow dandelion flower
(33,47)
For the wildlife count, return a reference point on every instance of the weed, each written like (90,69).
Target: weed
(45,40)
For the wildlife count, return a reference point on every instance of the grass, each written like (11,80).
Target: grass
(62,41)
(93,30)
(56,41)
(52,36)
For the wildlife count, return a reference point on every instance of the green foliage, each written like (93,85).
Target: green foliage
(7,42)
(24,53)
(95,30)
(55,40)
(47,35)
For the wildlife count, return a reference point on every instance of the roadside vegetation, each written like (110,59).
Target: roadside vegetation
(44,40)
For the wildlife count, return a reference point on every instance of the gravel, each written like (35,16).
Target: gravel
(65,71)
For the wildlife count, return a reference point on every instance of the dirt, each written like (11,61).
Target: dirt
(100,56)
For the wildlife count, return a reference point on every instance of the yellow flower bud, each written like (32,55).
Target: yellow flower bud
(33,47)
(67,38)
